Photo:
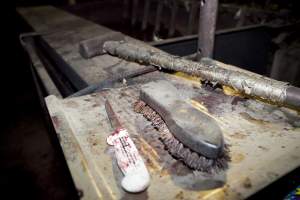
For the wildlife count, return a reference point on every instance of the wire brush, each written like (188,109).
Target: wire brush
(192,159)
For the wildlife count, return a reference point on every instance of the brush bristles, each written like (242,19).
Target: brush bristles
(192,159)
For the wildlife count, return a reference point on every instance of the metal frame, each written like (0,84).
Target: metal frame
(207,27)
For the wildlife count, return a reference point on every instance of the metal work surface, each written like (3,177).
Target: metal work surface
(263,141)
(63,32)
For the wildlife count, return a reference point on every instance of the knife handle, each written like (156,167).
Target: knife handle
(136,176)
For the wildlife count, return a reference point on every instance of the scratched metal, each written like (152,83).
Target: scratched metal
(64,31)
(263,139)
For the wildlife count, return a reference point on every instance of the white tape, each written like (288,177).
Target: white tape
(136,176)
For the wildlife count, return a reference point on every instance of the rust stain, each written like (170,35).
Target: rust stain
(247,183)
(150,164)
(213,101)
(238,135)
(237,157)
(179,195)
(163,172)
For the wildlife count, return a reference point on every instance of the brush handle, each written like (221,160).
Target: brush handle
(136,176)
(193,128)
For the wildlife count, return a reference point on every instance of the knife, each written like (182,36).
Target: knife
(136,176)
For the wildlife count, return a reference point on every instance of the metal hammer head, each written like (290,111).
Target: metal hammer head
(93,47)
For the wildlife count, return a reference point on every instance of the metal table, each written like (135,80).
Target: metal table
(264,139)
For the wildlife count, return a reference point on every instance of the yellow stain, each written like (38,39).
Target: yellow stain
(104,182)
(213,194)
(188,77)
(203,109)
(231,91)
(183,111)
(199,106)
(152,155)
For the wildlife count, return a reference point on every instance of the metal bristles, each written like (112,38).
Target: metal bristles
(192,159)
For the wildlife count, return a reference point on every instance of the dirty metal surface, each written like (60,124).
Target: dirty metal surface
(40,69)
(263,141)
(63,32)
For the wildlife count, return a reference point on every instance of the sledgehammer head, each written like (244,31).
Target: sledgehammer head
(93,47)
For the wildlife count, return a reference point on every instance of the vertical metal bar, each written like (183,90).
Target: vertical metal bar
(207,26)
(146,14)
(174,9)
(192,15)
(158,15)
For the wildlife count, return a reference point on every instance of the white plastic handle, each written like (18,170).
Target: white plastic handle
(136,176)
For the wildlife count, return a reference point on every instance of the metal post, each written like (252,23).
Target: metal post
(207,26)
